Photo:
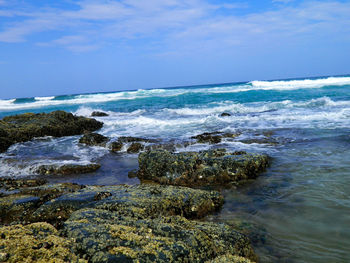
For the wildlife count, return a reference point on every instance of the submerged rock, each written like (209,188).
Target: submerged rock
(98,114)
(225,114)
(94,139)
(115,146)
(38,242)
(214,137)
(137,144)
(206,168)
(67,169)
(24,127)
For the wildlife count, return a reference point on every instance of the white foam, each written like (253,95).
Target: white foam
(44,98)
(298,84)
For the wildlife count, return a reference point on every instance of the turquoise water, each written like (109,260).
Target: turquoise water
(299,208)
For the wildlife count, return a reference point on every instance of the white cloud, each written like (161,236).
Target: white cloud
(169,23)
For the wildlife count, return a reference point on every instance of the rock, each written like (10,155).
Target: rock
(225,114)
(213,137)
(10,183)
(128,139)
(135,147)
(229,258)
(19,207)
(98,114)
(140,201)
(38,242)
(115,146)
(67,169)
(94,139)
(206,168)
(16,208)
(165,146)
(113,236)
(24,127)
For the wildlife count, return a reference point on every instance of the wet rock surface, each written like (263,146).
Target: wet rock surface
(94,139)
(99,114)
(25,127)
(143,223)
(214,137)
(225,114)
(195,169)
(67,169)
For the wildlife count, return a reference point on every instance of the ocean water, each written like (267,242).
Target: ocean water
(298,210)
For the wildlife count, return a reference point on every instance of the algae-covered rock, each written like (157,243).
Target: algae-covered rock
(228,258)
(94,139)
(67,169)
(115,146)
(11,184)
(110,236)
(24,127)
(214,137)
(38,242)
(140,201)
(206,168)
(20,206)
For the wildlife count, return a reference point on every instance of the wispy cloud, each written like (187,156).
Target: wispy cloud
(168,23)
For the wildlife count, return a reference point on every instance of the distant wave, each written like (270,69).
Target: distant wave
(299,84)
(39,102)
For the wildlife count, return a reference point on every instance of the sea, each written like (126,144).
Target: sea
(297,211)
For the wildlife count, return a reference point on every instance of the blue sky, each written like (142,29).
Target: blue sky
(68,47)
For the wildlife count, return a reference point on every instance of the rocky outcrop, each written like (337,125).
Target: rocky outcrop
(67,169)
(206,168)
(225,114)
(135,147)
(143,223)
(214,137)
(94,139)
(24,127)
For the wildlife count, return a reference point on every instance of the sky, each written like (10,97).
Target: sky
(55,47)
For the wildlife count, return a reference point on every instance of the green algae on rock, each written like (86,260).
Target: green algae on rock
(38,242)
(205,168)
(112,236)
(25,127)
(67,169)
(140,201)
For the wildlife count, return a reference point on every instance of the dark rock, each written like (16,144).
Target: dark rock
(98,114)
(225,114)
(94,139)
(128,139)
(10,183)
(20,206)
(165,146)
(116,146)
(135,147)
(213,137)
(206,168)
(102,195)
(24,127)
(67,169)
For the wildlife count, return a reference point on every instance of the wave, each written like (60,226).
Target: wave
(299,84)
(39,102)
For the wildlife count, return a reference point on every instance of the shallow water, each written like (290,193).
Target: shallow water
(299,209)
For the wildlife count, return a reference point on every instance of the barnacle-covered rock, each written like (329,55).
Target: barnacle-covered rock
(206,168)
